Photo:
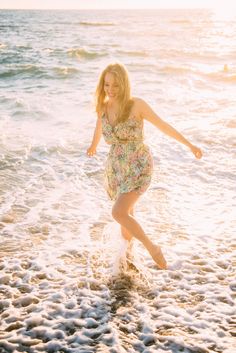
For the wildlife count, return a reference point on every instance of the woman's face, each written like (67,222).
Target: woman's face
(111,86)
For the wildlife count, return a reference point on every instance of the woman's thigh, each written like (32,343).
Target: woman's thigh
(125,203)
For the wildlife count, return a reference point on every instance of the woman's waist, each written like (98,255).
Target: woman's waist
(112,139)
(122,143)
(127,141)
(128,146)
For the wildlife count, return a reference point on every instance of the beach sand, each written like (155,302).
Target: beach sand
(93,300)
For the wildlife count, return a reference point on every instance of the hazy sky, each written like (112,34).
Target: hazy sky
(101,4)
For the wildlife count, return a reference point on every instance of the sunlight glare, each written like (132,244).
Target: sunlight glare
(225,12)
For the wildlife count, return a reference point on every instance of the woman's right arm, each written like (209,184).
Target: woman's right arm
(96,137)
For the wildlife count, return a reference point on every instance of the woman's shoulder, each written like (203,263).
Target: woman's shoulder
(138,104)
(138,100)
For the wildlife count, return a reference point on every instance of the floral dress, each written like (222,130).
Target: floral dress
(129,164)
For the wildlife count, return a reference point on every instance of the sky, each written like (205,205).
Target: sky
(110,4)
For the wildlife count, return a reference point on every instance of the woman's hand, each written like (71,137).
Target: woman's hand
(91,151)
(196,151)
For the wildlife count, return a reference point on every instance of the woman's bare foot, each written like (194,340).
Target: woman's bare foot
(158,257)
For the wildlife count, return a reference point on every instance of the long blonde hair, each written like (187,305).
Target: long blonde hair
(125,100)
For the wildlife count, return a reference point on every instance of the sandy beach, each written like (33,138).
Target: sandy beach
(65,282)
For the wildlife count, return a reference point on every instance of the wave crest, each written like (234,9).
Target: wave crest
(221,76)
(133,53)
(22,70)
(96,24)
(2,45)
(83,53)
(32,71)
(228,76)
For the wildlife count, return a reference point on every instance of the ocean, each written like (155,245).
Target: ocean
(61,287)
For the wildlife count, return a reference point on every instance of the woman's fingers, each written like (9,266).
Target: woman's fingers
(197,152)
(90,152)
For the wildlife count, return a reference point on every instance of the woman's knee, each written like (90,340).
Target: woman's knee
(118,213)
(124,205)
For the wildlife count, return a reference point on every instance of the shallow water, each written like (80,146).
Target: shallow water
(61,285)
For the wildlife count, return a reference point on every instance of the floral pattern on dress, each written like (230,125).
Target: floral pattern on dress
(129,164)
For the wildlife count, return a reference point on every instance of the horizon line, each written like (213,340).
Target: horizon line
(117,8)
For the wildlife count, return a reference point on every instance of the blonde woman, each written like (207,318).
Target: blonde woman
(129,164)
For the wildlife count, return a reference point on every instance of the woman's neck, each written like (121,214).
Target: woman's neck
(113,103)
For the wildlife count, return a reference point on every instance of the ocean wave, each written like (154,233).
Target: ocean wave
(27,71)
(8,26)
(228,76)
(21,46)
(83,53)
(65,70)
(223,77)
(188,54)
(223,74)
(48,50)
(139,53)
(96,24)
(175,69)
(2,45)
(231,124)
(181,21)
(30,70)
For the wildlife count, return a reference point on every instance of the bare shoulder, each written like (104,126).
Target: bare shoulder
(138,102)
(138,106)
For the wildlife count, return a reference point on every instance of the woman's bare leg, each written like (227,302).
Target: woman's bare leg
(121,213)
(129,237)
(124,232)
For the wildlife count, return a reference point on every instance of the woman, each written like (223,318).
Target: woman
(129,165)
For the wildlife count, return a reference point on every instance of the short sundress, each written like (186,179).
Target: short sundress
(129,165)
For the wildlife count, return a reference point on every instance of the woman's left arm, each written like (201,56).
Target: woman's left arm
(148,114)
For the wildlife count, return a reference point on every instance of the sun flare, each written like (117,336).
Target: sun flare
(225,12)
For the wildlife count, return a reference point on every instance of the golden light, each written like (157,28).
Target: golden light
(225,11)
